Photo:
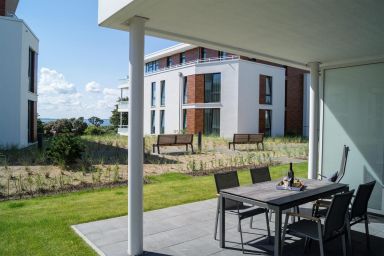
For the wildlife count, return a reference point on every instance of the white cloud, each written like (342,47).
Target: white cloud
(93,87)
(59,98)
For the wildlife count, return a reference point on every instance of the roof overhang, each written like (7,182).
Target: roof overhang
(168,51)
(294,32)
(11,6)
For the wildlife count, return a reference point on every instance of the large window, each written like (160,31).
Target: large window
(162,93)
(169,61)
(185,119)
(212,87)
(153,115)
(265,90)
(32,70)
(153,94)
(185,90)
(183,59)
(152,66)
(212,121)
(265,122)
(162,113)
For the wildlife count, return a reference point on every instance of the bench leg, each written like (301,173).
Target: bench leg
(233,145)
(192,148)
(158,149)
(186,147)
(229,145)
(153,149)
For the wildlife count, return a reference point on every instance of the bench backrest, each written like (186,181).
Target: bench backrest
(240,138)
(258,137)
(169,139)
(184,138)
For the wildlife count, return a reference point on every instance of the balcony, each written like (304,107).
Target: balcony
(123,106)
(123,130)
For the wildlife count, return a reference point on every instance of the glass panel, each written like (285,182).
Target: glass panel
(153,121)
(353,116)
(184,119)
(162,121)
(212,87)
(268,125)
(208,88)
(162,92)
(268,90)
(153,94)
(212,121)
(185,90)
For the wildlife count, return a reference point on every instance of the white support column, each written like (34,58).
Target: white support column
(135,136)
(313,153)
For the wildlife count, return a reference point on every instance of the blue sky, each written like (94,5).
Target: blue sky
(75,51)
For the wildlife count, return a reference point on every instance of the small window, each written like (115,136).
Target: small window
(152,66)
(222,55)
(169,62)
(162,93)
(184,119)
(203,53)
(185,90)
(212,87)
(183,59)
(162,113)
(153,115)
(268,90)
(153,94)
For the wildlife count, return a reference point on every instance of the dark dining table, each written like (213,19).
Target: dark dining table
(266,195)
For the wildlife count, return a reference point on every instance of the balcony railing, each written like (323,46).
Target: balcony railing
(198,61)
(123,105)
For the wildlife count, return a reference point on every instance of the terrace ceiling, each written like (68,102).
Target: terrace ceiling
(292,32)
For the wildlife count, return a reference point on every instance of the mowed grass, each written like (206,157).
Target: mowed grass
(41,226)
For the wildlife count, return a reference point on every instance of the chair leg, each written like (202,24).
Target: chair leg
(270,215)
(348,227)
(241,235)
(268,229)
(343,245)
(321,245)
(306,244)
(216,219)
(367,231)
(250,223)
(284,232)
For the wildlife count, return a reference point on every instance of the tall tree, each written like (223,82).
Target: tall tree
(96,121)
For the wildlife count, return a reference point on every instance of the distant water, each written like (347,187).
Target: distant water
(47,120)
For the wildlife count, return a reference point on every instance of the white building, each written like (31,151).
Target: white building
(18,79)
(197,89)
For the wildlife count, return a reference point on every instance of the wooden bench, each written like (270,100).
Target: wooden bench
(173,140)
(256,138)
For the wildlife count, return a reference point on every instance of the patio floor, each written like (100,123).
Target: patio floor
(188,230)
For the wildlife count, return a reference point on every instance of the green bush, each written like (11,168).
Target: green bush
(65,149)
(94,130)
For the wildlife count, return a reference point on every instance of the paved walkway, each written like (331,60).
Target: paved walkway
(188,230)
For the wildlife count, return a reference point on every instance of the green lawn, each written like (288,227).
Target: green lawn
(41,226)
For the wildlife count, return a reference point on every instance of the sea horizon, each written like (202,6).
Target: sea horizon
(49,119)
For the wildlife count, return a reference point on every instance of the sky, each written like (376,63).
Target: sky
(80,63)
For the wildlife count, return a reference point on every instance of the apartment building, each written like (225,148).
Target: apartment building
(195,89)
(18,79)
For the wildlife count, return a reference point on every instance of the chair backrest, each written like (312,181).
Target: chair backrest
(184,138)
(360,203)
(344,158)
(254,138)
(260,174)
(240,138)
(227,180)
(335,219)
(165,139)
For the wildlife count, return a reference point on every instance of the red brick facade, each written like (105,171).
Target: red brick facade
(195,85)
(294,83)
(2,7)
(195,120)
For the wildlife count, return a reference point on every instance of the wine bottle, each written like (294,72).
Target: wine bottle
(291,175)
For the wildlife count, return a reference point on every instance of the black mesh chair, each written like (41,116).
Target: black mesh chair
(335,223)
(231,180)
(260,174)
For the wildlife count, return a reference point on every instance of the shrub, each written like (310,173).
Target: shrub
(94,130)
(65,149)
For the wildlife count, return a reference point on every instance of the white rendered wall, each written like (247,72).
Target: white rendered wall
(353,116)
(248,109)
(14,51)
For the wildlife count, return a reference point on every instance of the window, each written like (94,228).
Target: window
(212,121)
(185,90)
(265,122)
(153,94)
(162,113)
(265,90)
(153,115)
(212,87)
(203,53)
(152,66)
(32,121)
(32,70)
(182,58)
(169,62)
(184,119)
(222,55)
(162,93)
